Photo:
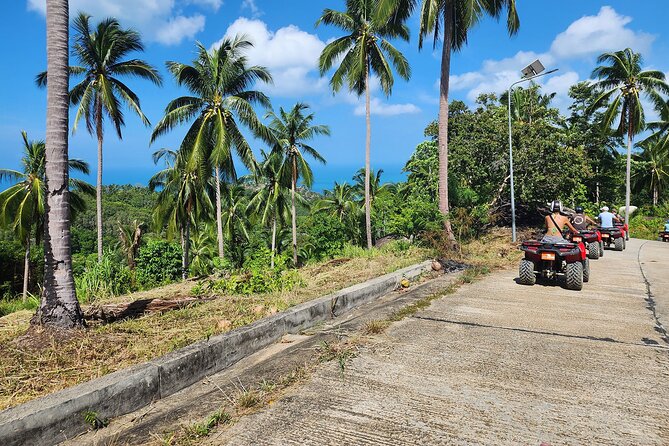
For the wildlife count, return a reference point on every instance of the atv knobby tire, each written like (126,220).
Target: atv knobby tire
(601,249)
(574,276)
(526,273)
(625,243)
(619,243)
(586,270)
(593,250)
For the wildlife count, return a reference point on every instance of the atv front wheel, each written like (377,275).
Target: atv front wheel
(586,270)
(619,244)
(574,276)
(593,250)
(526,273)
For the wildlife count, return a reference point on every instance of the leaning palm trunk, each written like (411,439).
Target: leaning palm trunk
(628,191)
(273,240)
(59,306)
(443,124)
(98,188)
(219,214)
(293,185)
(368,143)
(26,270)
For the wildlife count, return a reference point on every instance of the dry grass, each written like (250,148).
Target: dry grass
(494,250)
(35,365)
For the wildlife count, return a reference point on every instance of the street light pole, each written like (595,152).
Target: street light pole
(513,200)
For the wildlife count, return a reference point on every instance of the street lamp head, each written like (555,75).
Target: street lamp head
(533,69)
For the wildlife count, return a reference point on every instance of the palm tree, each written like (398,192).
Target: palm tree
(375,186)
(653,174)
(22,205)
(340,202)
(366,52)
(185,192)
(271,201)
(234,217)
(101,93)
(527,103)
(291,131)
(221,101)
(59,306)
(660,128)
(621,81)
(130,238)
(449,21)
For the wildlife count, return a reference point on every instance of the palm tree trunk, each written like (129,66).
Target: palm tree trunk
(443,123)
(273,240)
(628,191)
(59,306)
(368,143)
(597,186)
(293,185)
(186,260)
(98,188)
(26,270)
(183,253)
(219,213)
(655,195)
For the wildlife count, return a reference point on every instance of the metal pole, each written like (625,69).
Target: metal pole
(513,200)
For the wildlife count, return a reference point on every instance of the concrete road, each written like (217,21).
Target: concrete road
(499,364)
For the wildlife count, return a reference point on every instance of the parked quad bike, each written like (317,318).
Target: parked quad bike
(592,239)
(613,237)
(664,236)
(554,260)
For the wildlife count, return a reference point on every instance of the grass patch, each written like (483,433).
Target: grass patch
(197,431)
(375,327)
(341,350)
(37,365)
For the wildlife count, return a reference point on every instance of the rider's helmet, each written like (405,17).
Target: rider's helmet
(556,206)
(579,209)
(605,209)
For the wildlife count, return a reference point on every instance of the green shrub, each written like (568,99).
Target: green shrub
(326,235)
(110,277)
(8,306)
(158,263)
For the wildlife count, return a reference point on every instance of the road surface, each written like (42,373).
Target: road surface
(498,363)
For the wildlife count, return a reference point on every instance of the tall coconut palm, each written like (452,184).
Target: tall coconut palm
(653,175)
(339,202)
(621,81)
(185,191)
(221,102)
(59,306)
(271,202)
(235,220)
(364,51)
(449,21)
(101,94)
(291,130)
(22,205)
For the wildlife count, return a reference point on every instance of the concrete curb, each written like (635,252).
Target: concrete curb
(59,416)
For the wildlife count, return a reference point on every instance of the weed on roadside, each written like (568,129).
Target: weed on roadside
(203,429)
(342,351)
(375,326)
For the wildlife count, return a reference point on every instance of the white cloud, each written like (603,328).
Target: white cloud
(159,20)
(179,28)
(606,31)
(252,7)
(585,37)
(377,107)
(289,53)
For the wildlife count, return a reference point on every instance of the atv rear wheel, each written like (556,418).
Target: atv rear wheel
(586,270)
(574,276)
(526,273)
(601,249)
(619,243)
(593,250)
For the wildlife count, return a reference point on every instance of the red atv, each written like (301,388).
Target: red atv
(592,239)
(664,236)
(553,260)
(613,236)
(624,228)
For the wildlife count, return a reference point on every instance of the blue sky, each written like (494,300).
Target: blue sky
(566,34)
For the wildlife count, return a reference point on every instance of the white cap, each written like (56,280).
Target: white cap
(605,209)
